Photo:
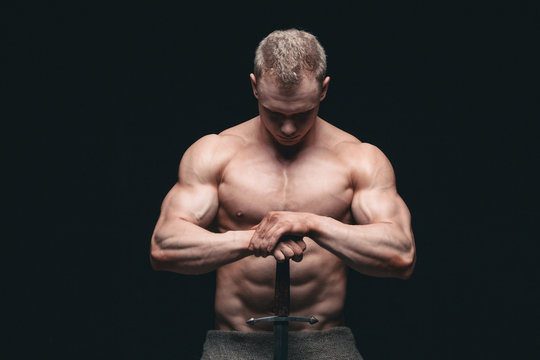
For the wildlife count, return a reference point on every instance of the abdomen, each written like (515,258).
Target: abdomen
(245,289)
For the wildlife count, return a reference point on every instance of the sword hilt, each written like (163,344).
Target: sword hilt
(282,299)
(281,321)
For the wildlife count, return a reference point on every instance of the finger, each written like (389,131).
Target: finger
(255,245)
(297,258)
(301,243)
(276,235)
(263,239)
(267,229)
(279,256)
(262,231)
(252,242)
(286,250)
(272,240)
(259,241)
(263,244)
(260,248)
(297,249)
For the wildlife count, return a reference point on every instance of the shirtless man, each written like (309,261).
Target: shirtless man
(241,194)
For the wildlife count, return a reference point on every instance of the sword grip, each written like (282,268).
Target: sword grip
(282,299)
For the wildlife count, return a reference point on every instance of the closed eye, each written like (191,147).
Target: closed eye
(300,115)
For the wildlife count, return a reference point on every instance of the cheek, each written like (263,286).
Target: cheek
(270,125)
(305,124)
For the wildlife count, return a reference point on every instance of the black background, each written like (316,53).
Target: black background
(103,100)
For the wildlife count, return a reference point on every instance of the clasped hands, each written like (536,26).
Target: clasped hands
(280,234)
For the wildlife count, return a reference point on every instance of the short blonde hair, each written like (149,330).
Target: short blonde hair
(288,55)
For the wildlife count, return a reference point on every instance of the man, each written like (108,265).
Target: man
(284,185)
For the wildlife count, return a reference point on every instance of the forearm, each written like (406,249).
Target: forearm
(379,249)
(182,247)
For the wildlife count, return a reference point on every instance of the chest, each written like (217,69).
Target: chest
(254,183)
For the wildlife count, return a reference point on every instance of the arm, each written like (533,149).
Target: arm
(180,242)
(384,244)
(381,243)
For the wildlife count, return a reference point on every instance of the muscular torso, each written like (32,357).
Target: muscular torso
(254,181)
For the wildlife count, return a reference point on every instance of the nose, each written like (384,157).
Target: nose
(287,127)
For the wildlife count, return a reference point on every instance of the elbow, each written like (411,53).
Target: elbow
(161,261)
(405,261)
(404,264)
(158,257)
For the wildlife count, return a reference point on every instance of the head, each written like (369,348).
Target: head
(289,82)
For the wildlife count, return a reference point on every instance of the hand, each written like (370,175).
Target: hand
(289,249)
(279,226)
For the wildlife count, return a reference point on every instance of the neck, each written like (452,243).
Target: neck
(285,152)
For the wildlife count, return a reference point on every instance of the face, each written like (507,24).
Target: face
(288,114)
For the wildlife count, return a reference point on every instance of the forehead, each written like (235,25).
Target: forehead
(300,98)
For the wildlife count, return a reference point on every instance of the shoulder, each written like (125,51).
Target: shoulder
(361,152)
(206,158)
(349,147)
(212,145)
(223,144)
(367,164)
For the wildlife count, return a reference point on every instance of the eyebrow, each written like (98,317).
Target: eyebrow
(298,113)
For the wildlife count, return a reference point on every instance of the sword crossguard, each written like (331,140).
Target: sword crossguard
(312,320)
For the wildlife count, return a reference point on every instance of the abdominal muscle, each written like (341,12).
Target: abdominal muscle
(245,289)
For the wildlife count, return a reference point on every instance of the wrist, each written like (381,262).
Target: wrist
(241,239)
(312,224)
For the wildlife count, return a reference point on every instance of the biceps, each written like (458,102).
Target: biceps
(376,206)
(196,204)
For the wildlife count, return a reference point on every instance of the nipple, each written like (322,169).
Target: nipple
(239,214)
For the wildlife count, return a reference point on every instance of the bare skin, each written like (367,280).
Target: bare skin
(242,194)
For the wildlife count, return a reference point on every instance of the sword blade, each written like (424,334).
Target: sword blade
(282,301)
(281,340)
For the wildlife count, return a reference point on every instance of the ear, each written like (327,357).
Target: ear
(254,85)
(324,87)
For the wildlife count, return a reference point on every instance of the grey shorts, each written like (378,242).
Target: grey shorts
(331,344)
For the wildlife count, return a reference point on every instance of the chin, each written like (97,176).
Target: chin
(288,141)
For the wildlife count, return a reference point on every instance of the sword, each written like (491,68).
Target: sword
(281,321)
